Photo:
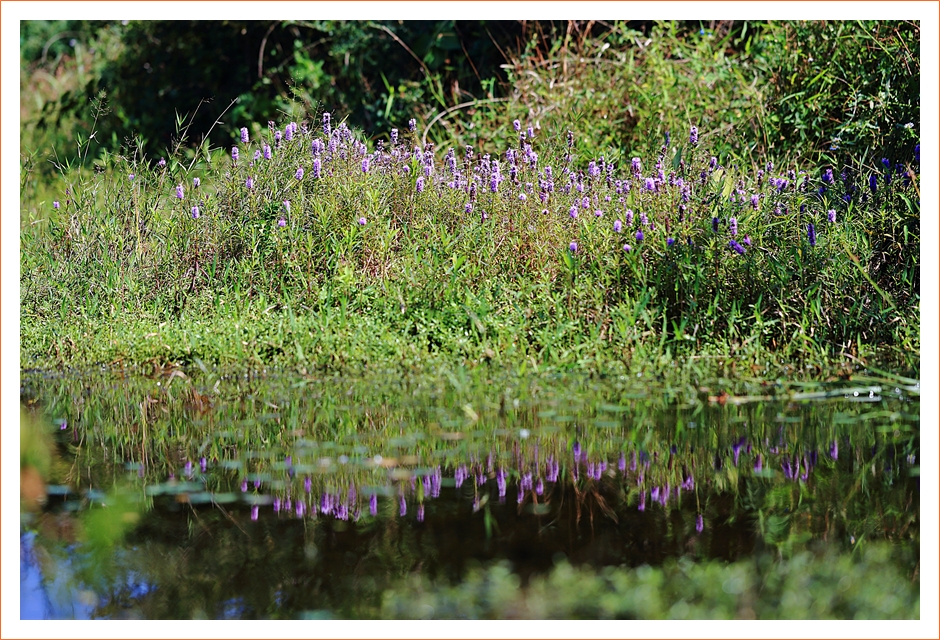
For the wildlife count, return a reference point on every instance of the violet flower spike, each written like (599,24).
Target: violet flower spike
(244,132)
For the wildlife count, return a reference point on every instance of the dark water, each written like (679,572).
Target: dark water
(172,497)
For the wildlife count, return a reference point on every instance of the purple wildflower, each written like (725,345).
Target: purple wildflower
(832,215)
(627,248)
(281,222)
(419,185)
(618,226)
(693,136)
(755,200)
(254,512)
(195,213)
(234,154)
(759,464)
(670,242)
(699,523)
(737,247)
(873,183)
(403,506)
(249,183)
(195,183)
(300,173)
(55,204)
(746,241)
(834,450)
(715,225)
(162,163)
(642,505)
(827,176)
(179,191)
(573,247)
(420,513)
(267,152)
(516,125)
(811,234)
(733,226)
(412,124)
(639,236)
(244,133)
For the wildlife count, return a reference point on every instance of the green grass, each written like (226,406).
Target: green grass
(123,273)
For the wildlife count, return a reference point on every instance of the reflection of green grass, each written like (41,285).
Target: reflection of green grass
(807,586)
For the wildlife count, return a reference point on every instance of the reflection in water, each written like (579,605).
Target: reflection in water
(286,497)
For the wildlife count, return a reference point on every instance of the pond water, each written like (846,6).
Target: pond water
(283,496)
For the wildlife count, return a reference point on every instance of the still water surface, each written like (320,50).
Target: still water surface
(278,496)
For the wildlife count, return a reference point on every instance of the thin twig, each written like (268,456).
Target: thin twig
(445,112)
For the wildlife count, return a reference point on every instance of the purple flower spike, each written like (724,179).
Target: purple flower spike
(254,512)
(627,248)
(412,124)
(573,212)
(373,505)
(249,183)
(736,246)
(195,213)
(639,236)
(573,247)
(516,125)
(832,215)
(234,154)
(281,222)
(196,183)
(308,485)
(419,184)
(539,487)
(618,226)
(365,165)
(699,523)
(733,226)
(693,136)
(244,133)
(179,191)
(162,163)
(300,173)
(811,234)
(267,152)
(576,451)
(403,507)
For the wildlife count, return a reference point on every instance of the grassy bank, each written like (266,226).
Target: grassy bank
(737,250)
(308,246)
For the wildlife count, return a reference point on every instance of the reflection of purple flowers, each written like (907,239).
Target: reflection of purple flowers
(834,450)
(699,523)
(373,505)
(254,512)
